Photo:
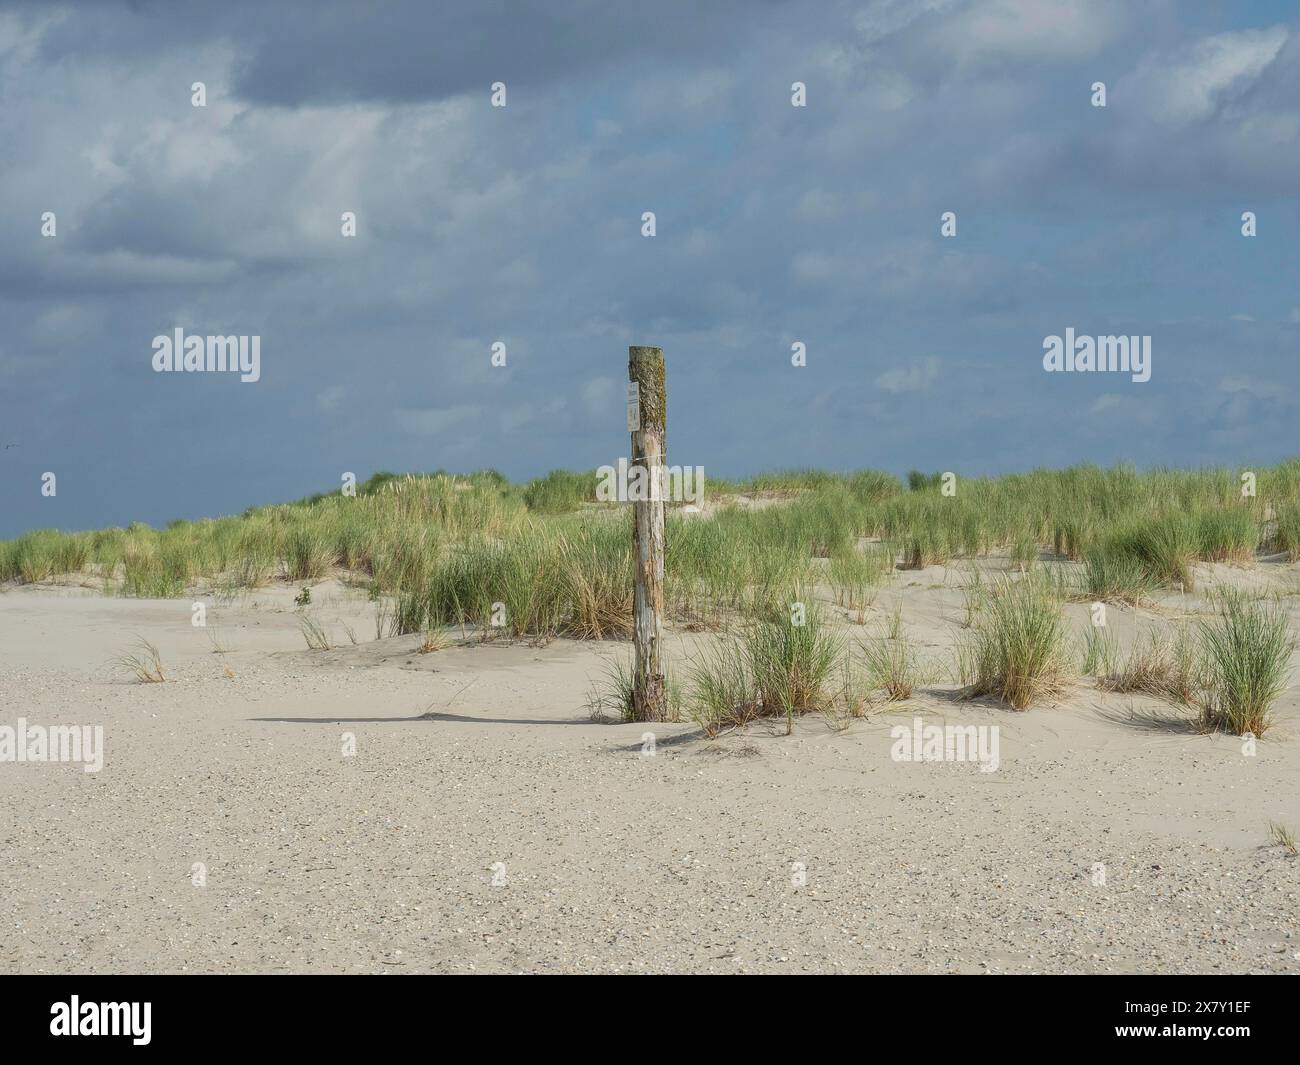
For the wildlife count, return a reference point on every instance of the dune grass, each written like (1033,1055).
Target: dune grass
(780,666)
(1160,664)
(143,662)
(855,576)
(315,634)
(1100,651)
(1280,835)
(722,691)
(892,666)
(1113,575)
(544,558)
(1286,533)
(1246,653)
(1017,651)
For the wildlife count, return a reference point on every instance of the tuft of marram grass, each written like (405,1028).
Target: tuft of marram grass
(144,663)
(791,663)
(1161,665)
(315,635)
(560,491)
(1286,534)
(1280,835)
(892,666)
(1025,552)
(611,699)
(722,692)
(1227,534)
(434,640)
(1245,653)
(309,554)
(1100,650)
(850,698)
(1167,547)
(855,576)
(1017,650)
(1113,575)
(780,666)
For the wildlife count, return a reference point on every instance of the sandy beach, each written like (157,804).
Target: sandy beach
(485,823)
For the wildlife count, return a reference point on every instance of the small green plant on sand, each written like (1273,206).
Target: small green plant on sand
(1245,654)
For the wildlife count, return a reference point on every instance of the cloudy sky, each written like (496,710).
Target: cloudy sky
(522,224)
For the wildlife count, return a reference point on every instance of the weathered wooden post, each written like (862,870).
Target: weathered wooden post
(646,420)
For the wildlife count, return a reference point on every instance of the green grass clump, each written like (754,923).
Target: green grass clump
(560,491)
(1100,649)
(923,482)
(1246,653)
(1113,575)
(722,692)
(855,576)
(1286,536)
(155,569)
(927,546)
(792,662)
(776,668)
(549,580)
(1166,547)
(309,554)
(1017,650)
(1073,536)
(315,634)
(892,666)
(613,698)
(1280,835)
(1227,534)
(1024,551)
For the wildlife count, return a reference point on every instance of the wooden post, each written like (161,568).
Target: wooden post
(645,369)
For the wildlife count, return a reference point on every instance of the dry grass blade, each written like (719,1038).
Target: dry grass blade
(315,635)
(144,664)
(1280,835)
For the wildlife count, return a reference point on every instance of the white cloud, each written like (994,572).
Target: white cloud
(1194,83)
(65,324)
(882,18)
(915,378)
(1112,411)
(328,399)
(1029,29)
(431,422)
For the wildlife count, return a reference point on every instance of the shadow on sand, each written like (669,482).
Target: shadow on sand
(418,718)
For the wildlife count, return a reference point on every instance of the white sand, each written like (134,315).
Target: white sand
(612,861)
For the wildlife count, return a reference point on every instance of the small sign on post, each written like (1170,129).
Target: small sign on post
(633,407)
